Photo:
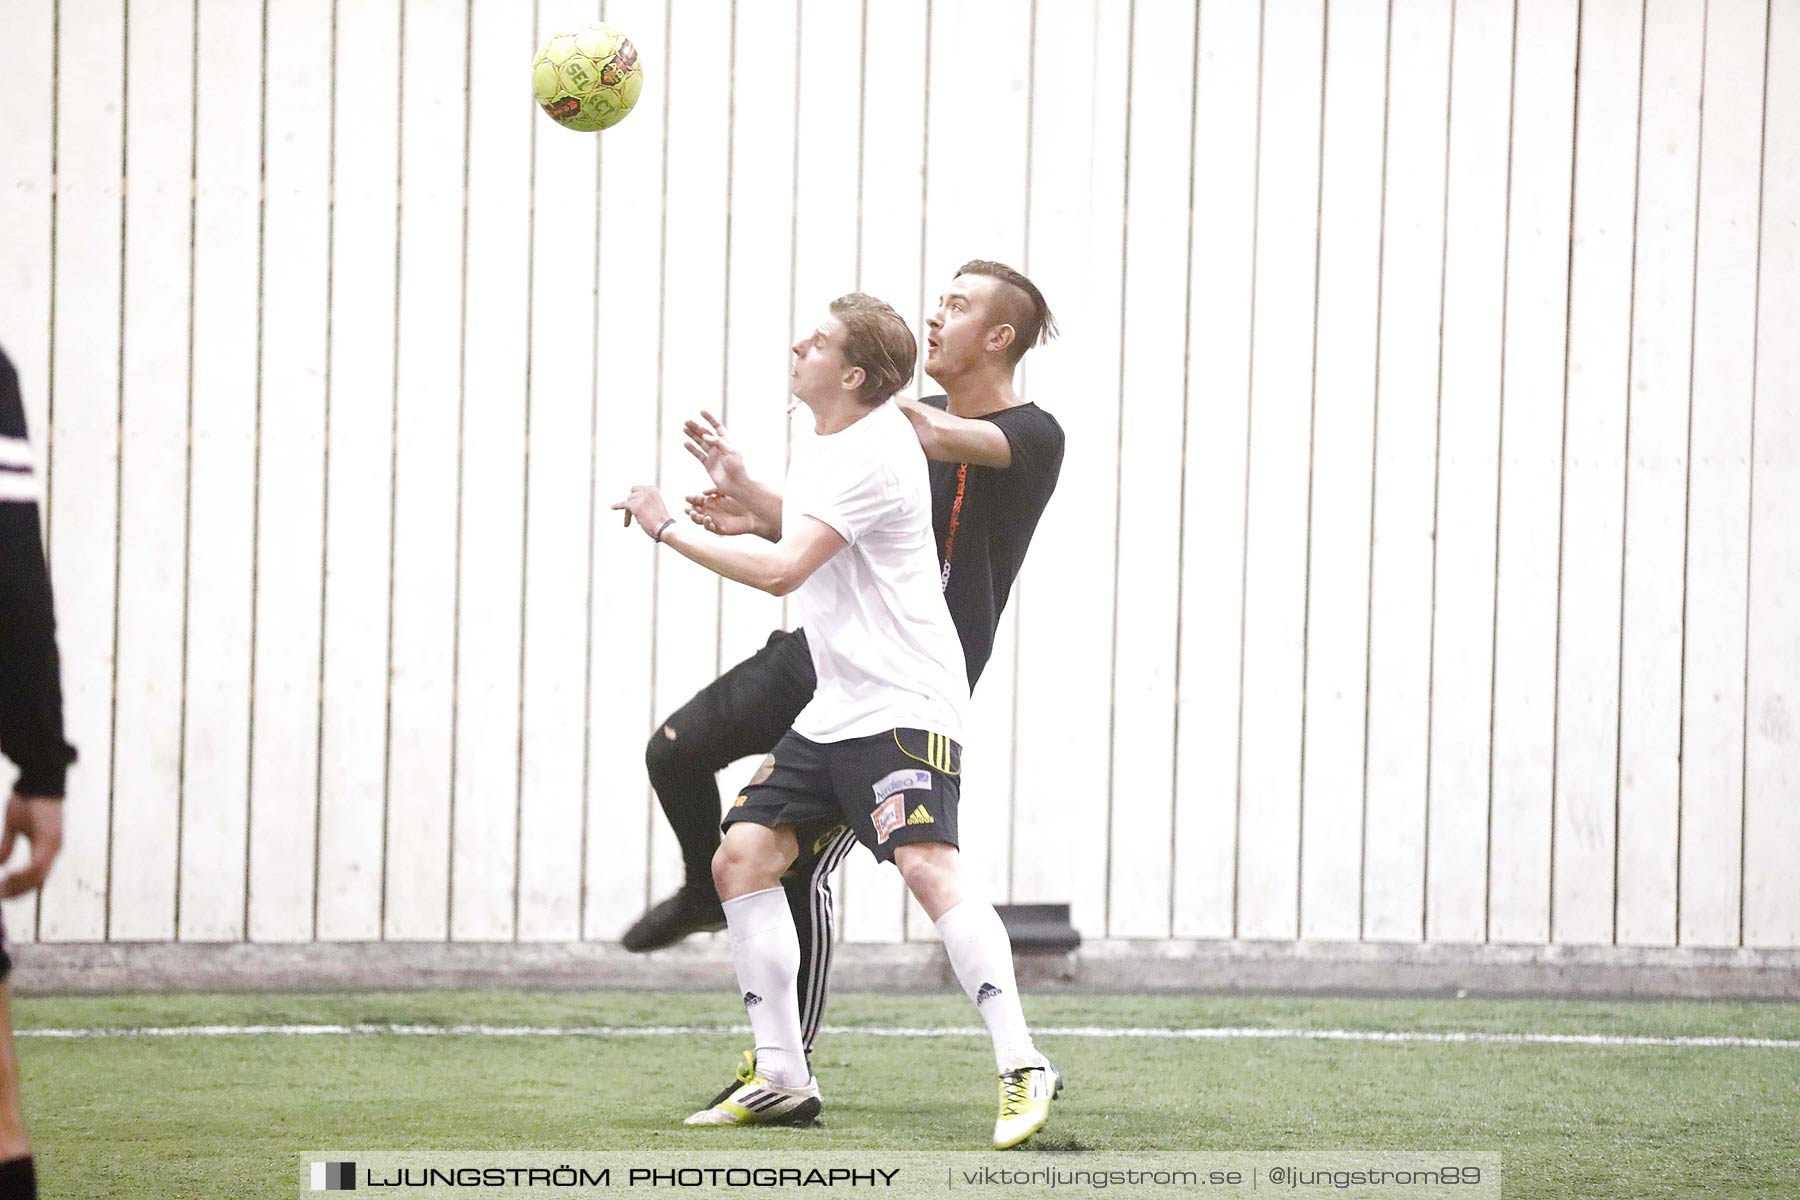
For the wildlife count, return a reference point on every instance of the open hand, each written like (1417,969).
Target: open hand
(710,443)
(719,514)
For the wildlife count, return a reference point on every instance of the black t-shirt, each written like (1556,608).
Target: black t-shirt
(984,518)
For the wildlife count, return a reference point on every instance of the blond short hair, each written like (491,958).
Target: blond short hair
(877,339)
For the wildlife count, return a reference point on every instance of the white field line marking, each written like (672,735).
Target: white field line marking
(1469,1037)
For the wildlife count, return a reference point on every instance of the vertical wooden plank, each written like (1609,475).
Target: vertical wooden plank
(557,533)
(621,810)
(891,217)
(1405,471)
(824,190)
(1218,304)
(1462,692)
(698,66)
(1281,401)
(28,66)
(1712,718)
(761,214)
(81,451)
(1772,745)
(359,472)
(1656,475)
(889,235)
(27,94)
(1153,393)
(1721,444)
(1343,431)
(1535,352)
(153,473)
(428,399)
(1073,254)
(975,208)
(502,132)
(1587,704)
(977,119)
(222,487)
(284,730)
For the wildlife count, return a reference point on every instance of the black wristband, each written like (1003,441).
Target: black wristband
(662,529)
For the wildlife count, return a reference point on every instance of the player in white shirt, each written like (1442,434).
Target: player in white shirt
(878,747)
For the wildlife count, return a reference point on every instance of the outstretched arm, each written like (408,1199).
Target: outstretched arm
(947,438)
(777,569)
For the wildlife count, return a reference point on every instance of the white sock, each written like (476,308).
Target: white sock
(981,955)
(765,949)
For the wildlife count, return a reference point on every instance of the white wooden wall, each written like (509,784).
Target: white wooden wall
(1426,564)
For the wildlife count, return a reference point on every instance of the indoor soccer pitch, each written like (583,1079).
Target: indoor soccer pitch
(130,1096)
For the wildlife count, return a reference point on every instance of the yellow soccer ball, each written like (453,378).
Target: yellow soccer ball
(587,80)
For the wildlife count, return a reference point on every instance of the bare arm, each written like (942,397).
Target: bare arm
(777,569)
(37,819)
(764,503)
(947,438)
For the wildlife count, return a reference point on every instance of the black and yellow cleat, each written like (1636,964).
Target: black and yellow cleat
(752,1100)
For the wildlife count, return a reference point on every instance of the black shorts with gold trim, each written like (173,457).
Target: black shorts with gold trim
(892,788)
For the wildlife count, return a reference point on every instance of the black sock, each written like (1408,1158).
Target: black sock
(18,1179)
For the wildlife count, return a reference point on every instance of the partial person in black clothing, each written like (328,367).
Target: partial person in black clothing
(994,461)
(31,735)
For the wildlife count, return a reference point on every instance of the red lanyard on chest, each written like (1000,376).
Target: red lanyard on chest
(962,483)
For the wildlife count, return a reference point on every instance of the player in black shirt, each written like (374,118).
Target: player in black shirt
(31,734)
(994,460)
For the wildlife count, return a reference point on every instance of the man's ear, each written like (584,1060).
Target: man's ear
(854,379)
(1000,337)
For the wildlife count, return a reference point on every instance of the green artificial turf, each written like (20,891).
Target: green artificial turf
(229,1116)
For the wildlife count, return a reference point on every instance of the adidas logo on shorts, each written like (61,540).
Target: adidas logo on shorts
(920,817)
(751,999)
(988,992)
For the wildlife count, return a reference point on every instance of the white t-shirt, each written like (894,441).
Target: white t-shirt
(883,646)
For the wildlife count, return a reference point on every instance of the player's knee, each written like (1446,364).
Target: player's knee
(724,871)
(664,753)
(930,877)
(748,861)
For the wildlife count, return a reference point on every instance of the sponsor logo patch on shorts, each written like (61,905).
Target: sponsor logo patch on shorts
(888,816)
(903,781)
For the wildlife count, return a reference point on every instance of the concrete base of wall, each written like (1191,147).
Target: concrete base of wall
(1105,966)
